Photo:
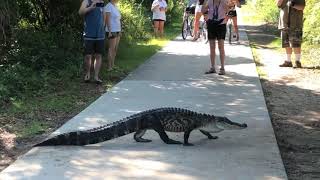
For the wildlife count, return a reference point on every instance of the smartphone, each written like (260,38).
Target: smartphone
(101,4)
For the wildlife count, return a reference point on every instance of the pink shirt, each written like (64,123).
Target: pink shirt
(217,9)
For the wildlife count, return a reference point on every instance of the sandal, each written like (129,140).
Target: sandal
(222,72)
(98,81)
(211,70)
(87,78)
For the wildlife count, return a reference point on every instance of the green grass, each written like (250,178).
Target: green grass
(30,116)
(34,127)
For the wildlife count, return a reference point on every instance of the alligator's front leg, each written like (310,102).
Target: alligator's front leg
(208,134)
(186,138)
(138,136)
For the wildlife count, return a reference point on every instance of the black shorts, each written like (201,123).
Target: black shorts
(113,35)
(232,13)
(158,20)
(216,31)
(93,47)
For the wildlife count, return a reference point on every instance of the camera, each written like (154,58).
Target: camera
(101,4)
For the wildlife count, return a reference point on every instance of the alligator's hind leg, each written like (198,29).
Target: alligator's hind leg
(208,134)
(186,138)
(138,136)
(164,136)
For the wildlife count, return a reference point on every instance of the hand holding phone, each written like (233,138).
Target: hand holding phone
(100,4)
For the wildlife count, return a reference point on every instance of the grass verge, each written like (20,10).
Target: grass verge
(31,116)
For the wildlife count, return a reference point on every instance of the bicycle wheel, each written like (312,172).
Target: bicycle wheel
(190,29)
(184,30)
(204,32)
(230,32)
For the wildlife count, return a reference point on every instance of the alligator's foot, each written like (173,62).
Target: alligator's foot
(171,141)
(212,137)
(188,144)
(142,140)
(208,134)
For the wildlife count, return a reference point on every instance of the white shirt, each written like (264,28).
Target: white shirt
(115,17)
(157,14)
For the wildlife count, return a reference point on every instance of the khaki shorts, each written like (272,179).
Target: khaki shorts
(291,38)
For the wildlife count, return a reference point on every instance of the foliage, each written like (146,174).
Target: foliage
(312,22)
(43,41)
(265,10)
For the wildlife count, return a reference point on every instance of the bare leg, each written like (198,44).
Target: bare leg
(111,53)
(196,25)
(161,28)
(97,66)
(212,44)
(297,50)
(87,61)
(288,50)
(222,53)
(156,28)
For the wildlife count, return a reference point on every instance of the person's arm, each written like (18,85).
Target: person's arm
(107,22)
(155,5)
(84,8)
(237,3)
(205,7)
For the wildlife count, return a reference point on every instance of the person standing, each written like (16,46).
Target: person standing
(159,8)
(113,29)
(232,13)
(93,36)
(216,24)
(291,26)
(197,17)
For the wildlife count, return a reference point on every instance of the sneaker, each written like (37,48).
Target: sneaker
(286,64)
(222,72)
(211,70)
(298,64)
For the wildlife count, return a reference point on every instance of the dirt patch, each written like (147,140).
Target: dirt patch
(293,101)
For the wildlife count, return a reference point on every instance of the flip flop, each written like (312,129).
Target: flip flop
(87,79)
(211,70)
(98,81)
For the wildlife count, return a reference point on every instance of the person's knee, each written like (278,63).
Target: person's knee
(88,57)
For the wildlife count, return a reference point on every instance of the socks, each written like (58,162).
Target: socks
(288,58)
(298,57)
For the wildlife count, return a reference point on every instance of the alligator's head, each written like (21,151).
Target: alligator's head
(225,123)
(217,123)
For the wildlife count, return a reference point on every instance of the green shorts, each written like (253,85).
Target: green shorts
(291,38)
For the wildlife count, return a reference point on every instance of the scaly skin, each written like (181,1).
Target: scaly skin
(160,120)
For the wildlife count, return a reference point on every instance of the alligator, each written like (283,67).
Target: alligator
(159,119)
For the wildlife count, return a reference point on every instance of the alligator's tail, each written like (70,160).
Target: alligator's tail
(93,136)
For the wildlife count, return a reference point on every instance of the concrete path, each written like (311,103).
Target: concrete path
(173,77)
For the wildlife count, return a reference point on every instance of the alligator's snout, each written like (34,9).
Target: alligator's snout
(244,125)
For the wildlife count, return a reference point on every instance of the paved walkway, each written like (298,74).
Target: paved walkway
(172,77)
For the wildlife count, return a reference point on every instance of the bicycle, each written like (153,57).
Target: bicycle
(187,24)
(229,29)
(203,30)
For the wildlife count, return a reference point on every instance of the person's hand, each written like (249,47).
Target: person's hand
(290,3)
(109,34)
